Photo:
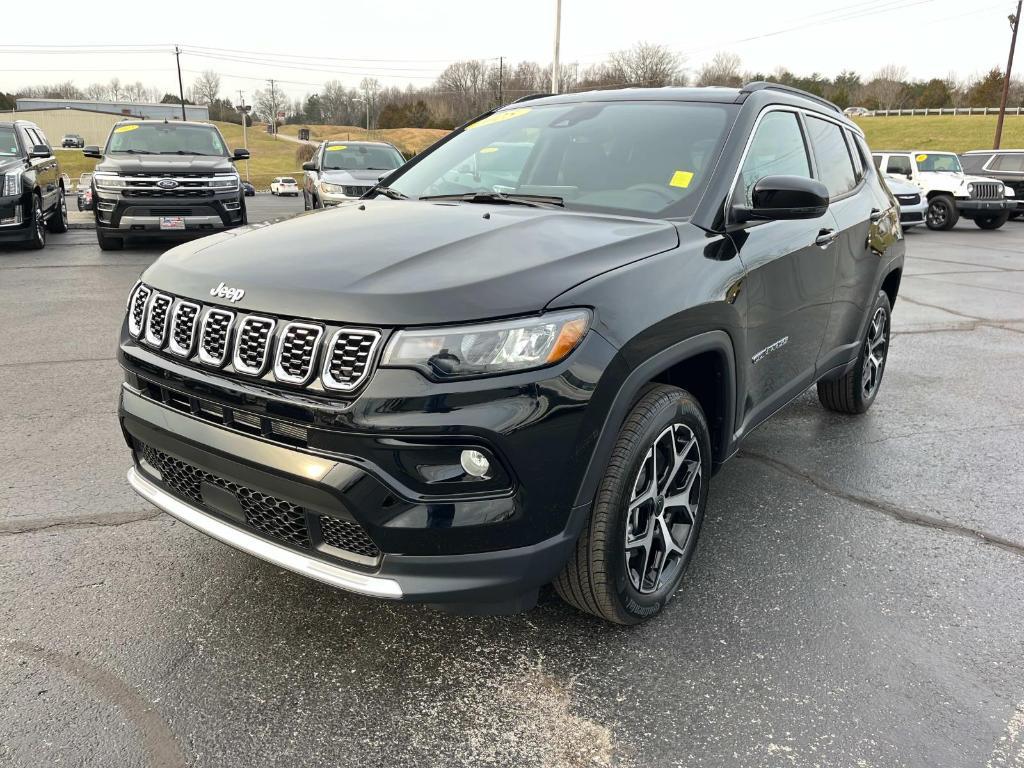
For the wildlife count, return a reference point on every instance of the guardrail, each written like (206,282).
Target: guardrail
(944,111)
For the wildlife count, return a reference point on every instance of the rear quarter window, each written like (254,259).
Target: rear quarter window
(835,167)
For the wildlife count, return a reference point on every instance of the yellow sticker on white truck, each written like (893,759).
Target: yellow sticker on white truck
(488,150)
(125,128)
(681,179)
(499,117)
(921,158)
(337,148)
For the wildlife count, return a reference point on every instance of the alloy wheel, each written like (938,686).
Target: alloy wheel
(875,346)
(39,222)
(663,509)
(936,215)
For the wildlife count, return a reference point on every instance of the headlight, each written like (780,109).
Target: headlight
(970,190)
(109,181)
(12,183)
(489,348)
(227,182)
(332,189)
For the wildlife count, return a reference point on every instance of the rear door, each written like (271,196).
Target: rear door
(47,169)
(790,266)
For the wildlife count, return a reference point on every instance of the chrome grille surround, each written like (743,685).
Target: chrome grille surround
(184,319)
(295,361)
(253,340)
(137,309)
(158,320)
(987,190)
(215,337)
(348,358)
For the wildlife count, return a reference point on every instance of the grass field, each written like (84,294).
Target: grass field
(956,133)
(276,157)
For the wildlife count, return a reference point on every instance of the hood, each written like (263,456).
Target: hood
(900,187)
(11,163)
(168,164)
(387,262)
(353,177)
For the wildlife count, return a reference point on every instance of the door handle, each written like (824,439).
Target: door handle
(876,214)
(825,237)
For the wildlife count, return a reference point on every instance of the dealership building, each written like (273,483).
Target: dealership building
(94,119)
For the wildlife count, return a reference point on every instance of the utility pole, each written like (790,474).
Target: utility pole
(181,88)
(367,103)
(501,75)
(558,41)
(245,120)
(273,110)
(1014,21)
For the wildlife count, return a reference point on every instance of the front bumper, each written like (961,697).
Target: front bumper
(141,216)
(15,219)
(913,214)
(971,206)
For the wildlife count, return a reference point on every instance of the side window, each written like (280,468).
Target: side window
(858,161)
(898,164)
(42,137)
(777,149)
(835,168)
(877,159)
(975,163)
(1013,163)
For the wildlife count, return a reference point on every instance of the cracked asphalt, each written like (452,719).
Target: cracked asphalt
(856,599)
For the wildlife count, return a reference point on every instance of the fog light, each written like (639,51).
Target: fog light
(475,463)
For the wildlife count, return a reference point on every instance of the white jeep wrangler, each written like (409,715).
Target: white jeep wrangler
(949,191)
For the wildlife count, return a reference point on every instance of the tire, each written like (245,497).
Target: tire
(1017,216)
(245,214)
(942,214)
(305,202)
(316,203)
(108,243)
(37,239)
(855,391)
(992,222)
(58,223)
(624,583)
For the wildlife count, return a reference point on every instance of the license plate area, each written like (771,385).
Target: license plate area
(172,222)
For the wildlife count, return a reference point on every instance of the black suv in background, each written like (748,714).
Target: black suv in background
(31,186)
(165,180)
(1006,165)
(470,385)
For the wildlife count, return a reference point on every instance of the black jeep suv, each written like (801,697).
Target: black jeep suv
(1006,165)
(166,180)
(484,377)
(31,186)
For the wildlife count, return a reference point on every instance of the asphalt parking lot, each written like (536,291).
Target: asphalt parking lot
(857,597)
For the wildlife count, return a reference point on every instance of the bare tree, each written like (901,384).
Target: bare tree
(114,88)
(96,91)
(647,65)
(723,69)
(888,87)
(206,87)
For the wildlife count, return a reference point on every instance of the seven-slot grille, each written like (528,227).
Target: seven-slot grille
(183,328)
(158,320)
(348,358)
(216,333)
(293,352)
(297,353)
(252,348)
(987,190)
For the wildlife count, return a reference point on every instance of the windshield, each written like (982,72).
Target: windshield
(353,157)
(634,158)
(8,143)
(166,139)
(287,180)
(939,163)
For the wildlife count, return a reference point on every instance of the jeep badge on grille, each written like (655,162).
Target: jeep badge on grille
(224,292)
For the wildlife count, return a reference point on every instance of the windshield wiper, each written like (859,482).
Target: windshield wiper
(501,198)
(186,152)
(135,151)
(391,192)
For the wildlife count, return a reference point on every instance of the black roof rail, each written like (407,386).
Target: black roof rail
(531,97)
(763,85)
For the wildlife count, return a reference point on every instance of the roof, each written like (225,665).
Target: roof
(993,152)
(162,121)
(357,143)
(912,151)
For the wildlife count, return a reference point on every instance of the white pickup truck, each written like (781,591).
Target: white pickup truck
(949,191)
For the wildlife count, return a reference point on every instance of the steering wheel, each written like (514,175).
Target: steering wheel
(655,188)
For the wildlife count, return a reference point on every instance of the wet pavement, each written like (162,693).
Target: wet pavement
(856,599)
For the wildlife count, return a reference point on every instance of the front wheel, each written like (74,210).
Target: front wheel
(855,391)
(992,222)
(647,513)
(942,213)
(37,233)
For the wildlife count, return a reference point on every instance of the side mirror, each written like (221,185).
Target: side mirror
(240,154)
(785,198)
(309,166)
(91,151)
(40,150)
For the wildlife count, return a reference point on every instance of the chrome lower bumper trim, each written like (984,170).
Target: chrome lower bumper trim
(283,557)
(153,222)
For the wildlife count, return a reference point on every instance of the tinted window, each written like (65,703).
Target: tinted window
(974,163)
(1013,163)
(878,161)
(641,158)
(835,168)
(777,149)
(898,164)
(166,139)
(858,161)
(8,142)
(42,137)
(355,157)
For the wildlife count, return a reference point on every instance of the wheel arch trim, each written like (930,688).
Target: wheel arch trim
(710,341)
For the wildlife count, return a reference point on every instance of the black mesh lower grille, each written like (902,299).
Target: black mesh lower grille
(268,514)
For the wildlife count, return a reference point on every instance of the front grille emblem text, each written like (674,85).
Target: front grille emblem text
(224,292)
(167,184)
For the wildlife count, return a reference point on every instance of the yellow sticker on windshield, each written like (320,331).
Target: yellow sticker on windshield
(921,158)
(681,179)
(125,128)
(488,150)
(337,148)
(499,117)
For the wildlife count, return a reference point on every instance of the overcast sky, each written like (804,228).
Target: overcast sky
(407,41)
